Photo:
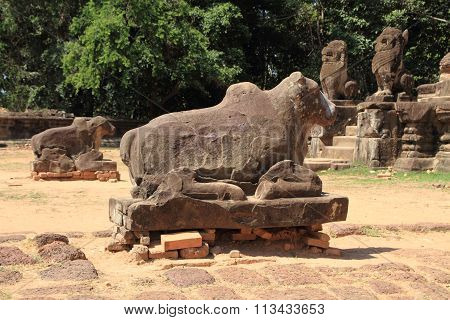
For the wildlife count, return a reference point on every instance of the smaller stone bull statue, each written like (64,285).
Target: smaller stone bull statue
(75,147)
(80,137)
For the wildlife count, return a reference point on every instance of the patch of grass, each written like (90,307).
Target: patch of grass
(356,170)
(370,231)
(363,175)
(33,196)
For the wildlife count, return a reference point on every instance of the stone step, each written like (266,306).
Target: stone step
(319,164)
(315,165)
(350,130)
(338,152)
(344,141)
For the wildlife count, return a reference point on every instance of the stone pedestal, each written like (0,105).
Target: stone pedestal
(418,141)
(103,170)
(184,213)
(346,113)
(378,134)
(442,162)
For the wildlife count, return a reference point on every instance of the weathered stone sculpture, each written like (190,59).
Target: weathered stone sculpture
(388,67)
(439,91)
(73,151)
(334,79)
(236,165)
(436,97)
(237,140)
(338,87)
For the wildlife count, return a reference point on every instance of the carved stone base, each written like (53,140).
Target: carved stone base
(386,98)
(187,213)
(414,164)
(376,152)
(76,175)
(442,162)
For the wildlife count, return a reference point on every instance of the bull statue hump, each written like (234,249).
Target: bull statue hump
(235,142)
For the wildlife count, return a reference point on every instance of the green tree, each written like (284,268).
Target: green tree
(32,35)
(139,57)
(360,22)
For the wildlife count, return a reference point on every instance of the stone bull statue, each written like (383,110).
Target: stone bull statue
(73,147)
(236,141)
(80,137)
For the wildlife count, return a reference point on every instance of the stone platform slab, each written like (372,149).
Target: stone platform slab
(183,213)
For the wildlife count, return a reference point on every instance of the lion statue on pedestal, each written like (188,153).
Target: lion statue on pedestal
(387,64)
(334,79)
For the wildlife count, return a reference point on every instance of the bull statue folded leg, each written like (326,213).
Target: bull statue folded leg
(234,142)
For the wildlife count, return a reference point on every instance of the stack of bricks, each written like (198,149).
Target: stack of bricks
(76,175)
(195,244)
(186,245)
(298,237)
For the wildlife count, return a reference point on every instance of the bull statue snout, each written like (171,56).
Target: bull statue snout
(328,110)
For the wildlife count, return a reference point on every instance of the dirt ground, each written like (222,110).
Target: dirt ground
(377,263)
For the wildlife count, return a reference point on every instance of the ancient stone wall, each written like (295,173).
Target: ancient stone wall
(24,127)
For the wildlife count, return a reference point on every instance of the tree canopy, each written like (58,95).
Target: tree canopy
(141,58)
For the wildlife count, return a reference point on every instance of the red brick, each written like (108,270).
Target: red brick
(316,242)
(243,237)
(43,175)
(262,233)
(319,235)
(195,253)
(156,251)
(181,240)
(246,230)
(208,236)
(314,227)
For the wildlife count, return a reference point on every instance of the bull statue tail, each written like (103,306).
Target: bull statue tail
(126,144)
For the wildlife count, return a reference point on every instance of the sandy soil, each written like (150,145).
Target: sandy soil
(385,265)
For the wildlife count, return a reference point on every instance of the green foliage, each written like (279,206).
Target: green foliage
(32,33)
(359,23)
(136,58)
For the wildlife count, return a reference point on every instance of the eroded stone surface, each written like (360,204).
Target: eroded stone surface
(58,251)
(47,238)
(70,270)
(8,277)
(242,276)
(294,275)
(185,277)
(14,256)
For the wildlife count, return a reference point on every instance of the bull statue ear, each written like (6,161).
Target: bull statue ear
(405,35)
(301,80)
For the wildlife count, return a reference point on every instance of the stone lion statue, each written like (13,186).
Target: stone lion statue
(388,66)
(333,75)
(236,141)
(80,137)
